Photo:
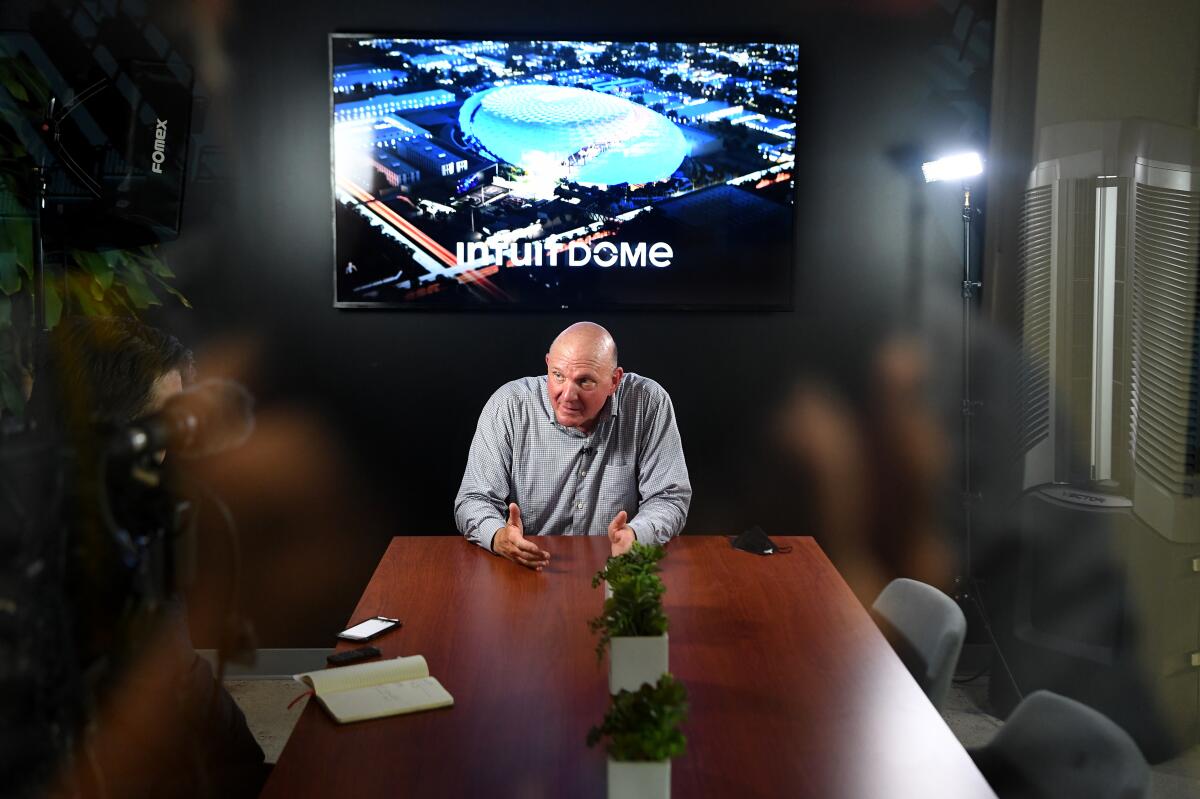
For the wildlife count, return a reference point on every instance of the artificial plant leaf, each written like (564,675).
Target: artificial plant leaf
(12,189)
(14,87)
(10,273)
(23,70)
(174,292)
(133,273)
(20,236)
(54,306)
(11,396)
(116,258)
(83,289)
(108,276)
(151,260)
(81,295)
(159,267)
(152,264)
(94,264)
(138,292)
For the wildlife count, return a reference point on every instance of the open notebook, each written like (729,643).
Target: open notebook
(372,690)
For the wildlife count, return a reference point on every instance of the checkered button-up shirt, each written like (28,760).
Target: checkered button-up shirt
(567,482)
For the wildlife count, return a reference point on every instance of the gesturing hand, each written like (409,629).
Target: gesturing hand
(620,534)
(510,542)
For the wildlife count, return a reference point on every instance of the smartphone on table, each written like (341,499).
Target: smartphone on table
(371,628)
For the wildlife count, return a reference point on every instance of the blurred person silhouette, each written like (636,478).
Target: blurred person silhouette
(873,472)
(884,502)
(165,727)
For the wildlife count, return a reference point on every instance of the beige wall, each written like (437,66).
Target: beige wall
(1070,61)
(1115,59)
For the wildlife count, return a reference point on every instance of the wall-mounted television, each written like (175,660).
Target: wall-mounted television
(506,174)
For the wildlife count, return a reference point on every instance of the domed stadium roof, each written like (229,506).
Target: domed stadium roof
(576,134)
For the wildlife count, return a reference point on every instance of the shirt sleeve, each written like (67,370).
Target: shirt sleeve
(664,490)
(481,507)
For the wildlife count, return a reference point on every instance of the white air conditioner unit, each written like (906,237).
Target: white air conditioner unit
(1109,276)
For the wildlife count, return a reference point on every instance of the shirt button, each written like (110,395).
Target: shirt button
(580,506)
(582,472)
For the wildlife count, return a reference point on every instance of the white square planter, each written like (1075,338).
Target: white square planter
(633,660)
(637,780)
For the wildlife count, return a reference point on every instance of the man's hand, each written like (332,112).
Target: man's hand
(510,542)
(620,534)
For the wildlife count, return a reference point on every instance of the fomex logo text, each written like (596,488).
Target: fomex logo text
(604,254)
(160,146)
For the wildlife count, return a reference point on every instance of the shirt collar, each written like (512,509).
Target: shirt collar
(615,400)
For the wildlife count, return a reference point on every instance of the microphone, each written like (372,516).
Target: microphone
(210,417)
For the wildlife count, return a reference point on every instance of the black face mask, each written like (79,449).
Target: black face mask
(756,541)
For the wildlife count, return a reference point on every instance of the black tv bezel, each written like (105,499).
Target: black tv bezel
(787,305)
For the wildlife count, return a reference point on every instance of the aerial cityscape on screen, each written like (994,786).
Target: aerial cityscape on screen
(559,174)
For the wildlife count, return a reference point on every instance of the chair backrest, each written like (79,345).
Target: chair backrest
(1055,747)
(926,628)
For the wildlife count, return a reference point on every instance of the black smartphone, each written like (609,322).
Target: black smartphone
(366,630)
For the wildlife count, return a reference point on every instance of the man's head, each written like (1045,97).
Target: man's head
(114,370)
(582,373)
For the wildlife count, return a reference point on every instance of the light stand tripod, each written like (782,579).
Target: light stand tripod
(962,583)
(966,593)
(961,168)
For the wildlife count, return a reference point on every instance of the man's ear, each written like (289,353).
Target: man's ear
(618,373)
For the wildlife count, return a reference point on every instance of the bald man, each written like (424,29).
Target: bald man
(584,449)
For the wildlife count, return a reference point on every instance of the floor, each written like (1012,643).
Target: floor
(1174,779)
(265,703)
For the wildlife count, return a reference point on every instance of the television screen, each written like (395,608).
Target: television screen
(562,174)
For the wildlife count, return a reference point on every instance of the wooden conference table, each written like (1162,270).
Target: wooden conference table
(793,691)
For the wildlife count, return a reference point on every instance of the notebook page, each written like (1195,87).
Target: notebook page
(361,675)
(390,699)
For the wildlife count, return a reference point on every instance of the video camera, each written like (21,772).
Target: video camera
(95,533)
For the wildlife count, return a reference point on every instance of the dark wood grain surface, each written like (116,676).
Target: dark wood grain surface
(793,690)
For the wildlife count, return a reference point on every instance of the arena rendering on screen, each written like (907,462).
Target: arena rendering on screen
(562,174)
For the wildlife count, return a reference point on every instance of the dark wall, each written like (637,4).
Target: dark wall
(394,396)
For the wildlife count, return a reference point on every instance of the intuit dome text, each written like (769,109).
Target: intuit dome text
(605,254)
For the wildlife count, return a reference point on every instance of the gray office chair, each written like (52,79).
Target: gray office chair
(1053,747)
(926,628)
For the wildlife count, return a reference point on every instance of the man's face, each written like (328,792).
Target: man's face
(578,383)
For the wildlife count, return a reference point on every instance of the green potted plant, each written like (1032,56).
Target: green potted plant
(639,558)
(632,625)
(641,731)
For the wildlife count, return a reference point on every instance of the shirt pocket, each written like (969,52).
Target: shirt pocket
(618,492)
